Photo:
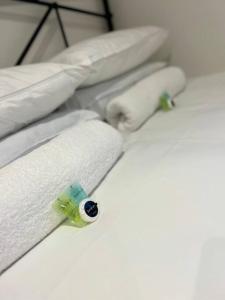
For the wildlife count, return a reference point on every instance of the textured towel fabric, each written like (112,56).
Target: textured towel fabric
(29,186)
(33,136)
(129,110)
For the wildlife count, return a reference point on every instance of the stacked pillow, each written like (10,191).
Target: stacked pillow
(115,53)
(115,61)
(31,92)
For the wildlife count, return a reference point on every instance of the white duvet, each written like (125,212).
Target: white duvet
(162,234)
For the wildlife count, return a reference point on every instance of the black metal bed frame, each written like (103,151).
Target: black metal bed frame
(54,6)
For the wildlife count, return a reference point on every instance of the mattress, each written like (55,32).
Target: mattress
(161,234)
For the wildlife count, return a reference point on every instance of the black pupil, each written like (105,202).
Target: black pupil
(91,209)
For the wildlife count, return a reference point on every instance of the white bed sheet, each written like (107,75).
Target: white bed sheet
(162,233)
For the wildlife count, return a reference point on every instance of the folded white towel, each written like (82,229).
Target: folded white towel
(40,132)
(129,110)
(30,185)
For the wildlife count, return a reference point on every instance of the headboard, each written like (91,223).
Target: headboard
(55,6)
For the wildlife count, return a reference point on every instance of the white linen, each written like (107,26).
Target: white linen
(162,233)
(111,54)
(129,111)
(30,92)
(31,137)
(28,187)
(98,96)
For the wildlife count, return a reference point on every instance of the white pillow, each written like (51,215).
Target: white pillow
(114,53)
(30,92)
(97,97)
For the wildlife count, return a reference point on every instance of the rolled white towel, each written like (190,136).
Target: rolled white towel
(29,186)
(129,110)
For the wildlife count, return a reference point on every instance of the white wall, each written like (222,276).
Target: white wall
(17,22)
(197,29)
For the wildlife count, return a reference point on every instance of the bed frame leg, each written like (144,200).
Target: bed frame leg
(61,26)
(108,15)
(33,37)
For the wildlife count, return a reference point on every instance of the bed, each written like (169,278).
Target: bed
(162,233)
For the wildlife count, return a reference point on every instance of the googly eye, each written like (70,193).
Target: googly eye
(88,210)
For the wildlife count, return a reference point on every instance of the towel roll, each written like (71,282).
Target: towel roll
(29,186)
(130,110)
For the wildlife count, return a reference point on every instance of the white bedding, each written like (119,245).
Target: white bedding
(162,233)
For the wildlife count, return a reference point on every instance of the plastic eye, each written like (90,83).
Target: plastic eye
(88,210)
